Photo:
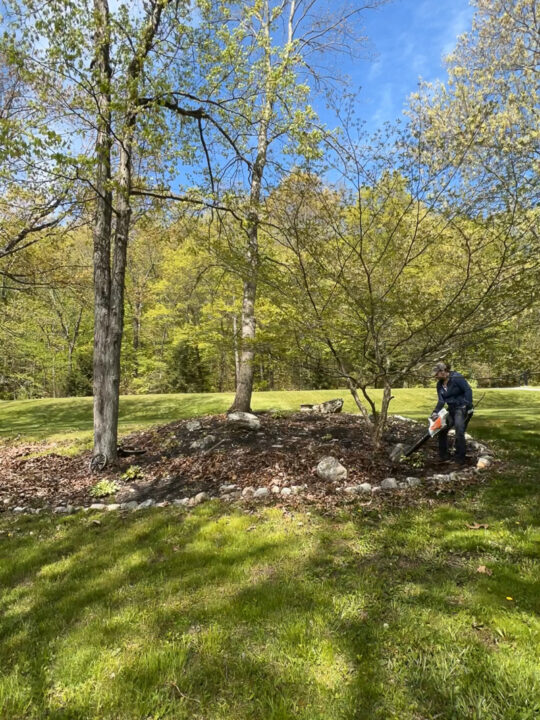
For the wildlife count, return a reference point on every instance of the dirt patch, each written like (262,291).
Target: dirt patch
(181,460)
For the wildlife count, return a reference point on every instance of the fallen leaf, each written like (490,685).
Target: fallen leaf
(509,598)
(483,570)
(478,526)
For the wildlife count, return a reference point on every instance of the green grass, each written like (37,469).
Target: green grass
(220,614)
(70,419)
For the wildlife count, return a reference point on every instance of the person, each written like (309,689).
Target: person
(455,392)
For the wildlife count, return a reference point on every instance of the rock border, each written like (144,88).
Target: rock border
(229,492)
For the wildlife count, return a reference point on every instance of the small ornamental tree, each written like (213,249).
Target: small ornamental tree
(388,274)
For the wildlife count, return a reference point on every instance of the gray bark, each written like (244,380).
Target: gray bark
(105,430)
(109,283)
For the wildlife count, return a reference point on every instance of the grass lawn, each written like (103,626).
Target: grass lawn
(221,614)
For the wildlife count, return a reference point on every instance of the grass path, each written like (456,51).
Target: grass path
(223,615)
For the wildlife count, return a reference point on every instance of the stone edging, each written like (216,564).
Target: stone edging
(231,492)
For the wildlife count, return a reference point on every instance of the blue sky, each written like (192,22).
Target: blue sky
(408,40)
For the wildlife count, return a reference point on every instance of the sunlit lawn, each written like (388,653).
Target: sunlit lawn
(221,614)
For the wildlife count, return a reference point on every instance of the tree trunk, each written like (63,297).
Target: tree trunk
(244,380)
(380,421)
(104,432)
(244,387)
(236,350)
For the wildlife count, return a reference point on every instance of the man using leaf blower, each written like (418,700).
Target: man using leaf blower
(455,392)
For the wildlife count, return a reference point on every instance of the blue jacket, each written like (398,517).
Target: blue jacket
(457,393)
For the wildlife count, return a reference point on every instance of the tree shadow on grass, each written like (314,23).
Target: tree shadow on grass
(219,614)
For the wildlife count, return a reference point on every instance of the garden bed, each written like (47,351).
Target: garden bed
(276,462)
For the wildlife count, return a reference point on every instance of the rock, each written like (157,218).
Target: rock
(163,503)
(203,443)
(331,469)
(227,488)
(20,509)
(364,487)
(389,484)
(325,408)
(350,490)
(441,477)
(97,506)
(244,420)
(483,462)
(113,506)
(64,509)
(396,452)
(403,485)
(413,481)
(201,497)
(193,425)
(275,489)
(184,502)
(130,505)
(145,504)
(376,489)
(286,491)
(261,492)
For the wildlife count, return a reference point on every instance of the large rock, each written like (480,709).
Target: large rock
(203,443)
(244,420)
(389,484)
(325,408)
(331,469)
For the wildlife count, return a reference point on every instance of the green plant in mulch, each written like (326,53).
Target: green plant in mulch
(132,473)
(416,461)
(103,488)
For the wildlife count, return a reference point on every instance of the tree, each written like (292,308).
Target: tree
(487,115)
(390,275)
(140,65)
(34,203)
(264,63)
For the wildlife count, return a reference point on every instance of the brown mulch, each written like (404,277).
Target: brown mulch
(285,451)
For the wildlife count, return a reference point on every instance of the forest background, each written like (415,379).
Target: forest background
(376,253)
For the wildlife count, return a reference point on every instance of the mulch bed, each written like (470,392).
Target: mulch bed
(284,452)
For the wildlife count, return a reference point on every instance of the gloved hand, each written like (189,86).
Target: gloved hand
(434,415)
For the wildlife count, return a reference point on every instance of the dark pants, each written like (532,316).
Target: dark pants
(459,419)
